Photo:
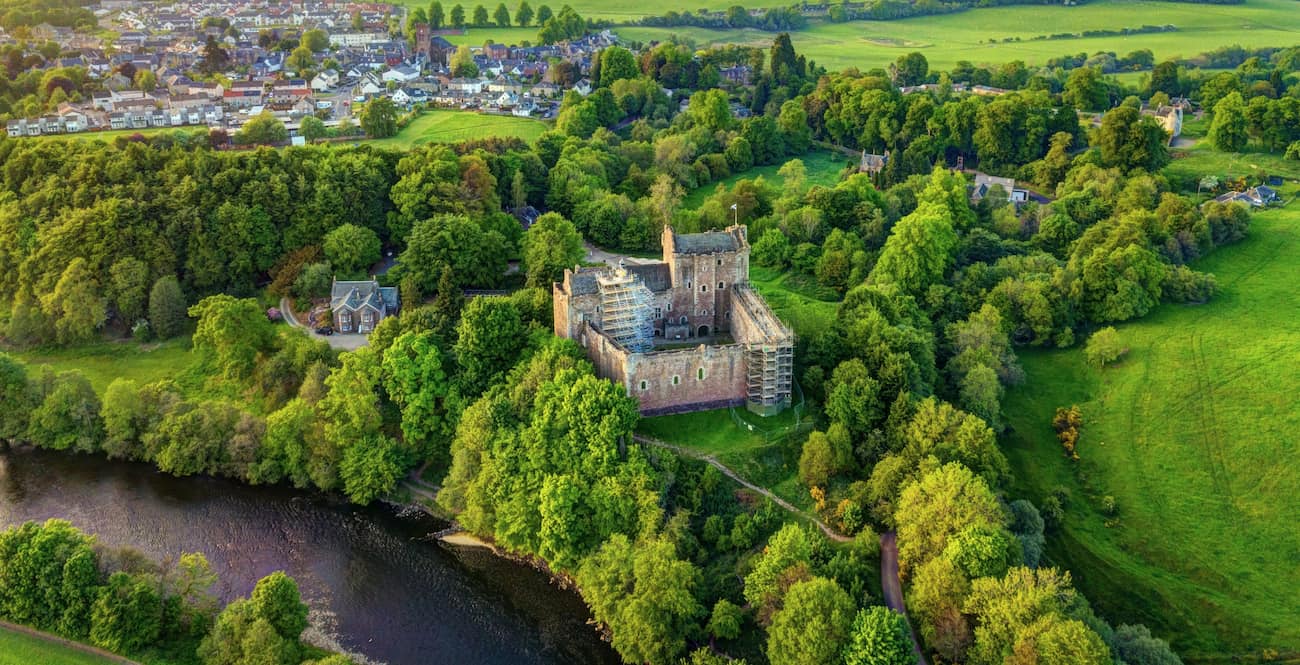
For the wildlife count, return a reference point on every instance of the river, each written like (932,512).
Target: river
(374,579)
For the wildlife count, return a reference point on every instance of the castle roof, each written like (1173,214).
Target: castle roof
(708,242)
(655,276)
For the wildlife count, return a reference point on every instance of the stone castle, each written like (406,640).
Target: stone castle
(684,334)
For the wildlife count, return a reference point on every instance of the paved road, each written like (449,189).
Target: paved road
(340,342)
(893,587)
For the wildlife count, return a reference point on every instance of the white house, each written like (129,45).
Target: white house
(371,85)
(401,96)
(525,109)
(401,74)
(471,86)
(325,80)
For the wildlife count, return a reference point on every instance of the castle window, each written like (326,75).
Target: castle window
(659,313)
(728,316)
(719,261)
(688,283)
(676,379)
(644,386)
(670,307)
(699,374)
(704,288)
(683,320)
(722,285)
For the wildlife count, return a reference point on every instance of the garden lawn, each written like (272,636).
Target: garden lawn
(967,35)
(21,649)
(1194,434)
(454,126)
(823,167)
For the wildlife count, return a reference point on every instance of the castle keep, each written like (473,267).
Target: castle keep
(683,334)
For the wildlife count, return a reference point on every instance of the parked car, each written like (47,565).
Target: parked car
(325,330)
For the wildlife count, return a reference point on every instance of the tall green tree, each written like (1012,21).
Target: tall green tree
(68,418)
(524,15)
(879,636)
(234,331)
(379,118)
(919,250)
(501,16)
(167,310)
(617,63)
(75,305)
(351,248)
(1228,130)
(813,625)
(436,16)
(550,245)
(488,341)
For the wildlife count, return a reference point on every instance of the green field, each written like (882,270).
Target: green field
(453,126)
(803,305)
(611,10)
(103,362)
(823,168)
(964,36)
(1194,434)
(21,649)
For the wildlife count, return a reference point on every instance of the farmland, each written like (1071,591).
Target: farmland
(1193,435)
(967,35)
(454,126)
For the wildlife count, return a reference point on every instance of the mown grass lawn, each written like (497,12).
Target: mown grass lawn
(440,126)
(1194,434)
(20,649)
(977,35)
(823,167)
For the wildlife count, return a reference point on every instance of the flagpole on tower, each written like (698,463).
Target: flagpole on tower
(737,215)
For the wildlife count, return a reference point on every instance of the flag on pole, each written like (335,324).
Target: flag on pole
(733,206)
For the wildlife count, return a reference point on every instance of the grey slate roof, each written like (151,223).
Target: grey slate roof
(655,276)
(709,242)
(354,295)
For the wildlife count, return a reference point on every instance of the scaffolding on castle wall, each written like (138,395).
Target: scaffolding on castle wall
(769,376)
(625,304)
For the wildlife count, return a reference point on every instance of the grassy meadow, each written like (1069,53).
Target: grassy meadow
(439,126)
(1194,435)
(966,35)
(823,167)
(22,649)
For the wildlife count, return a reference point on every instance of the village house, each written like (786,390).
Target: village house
(359,306)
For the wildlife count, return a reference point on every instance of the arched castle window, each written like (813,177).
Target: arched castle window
(683,320)
(699,374)
(719,261)
(704,288)
(645,385)
(722,285)
(676,379)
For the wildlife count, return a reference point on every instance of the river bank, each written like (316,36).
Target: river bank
(376,582)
